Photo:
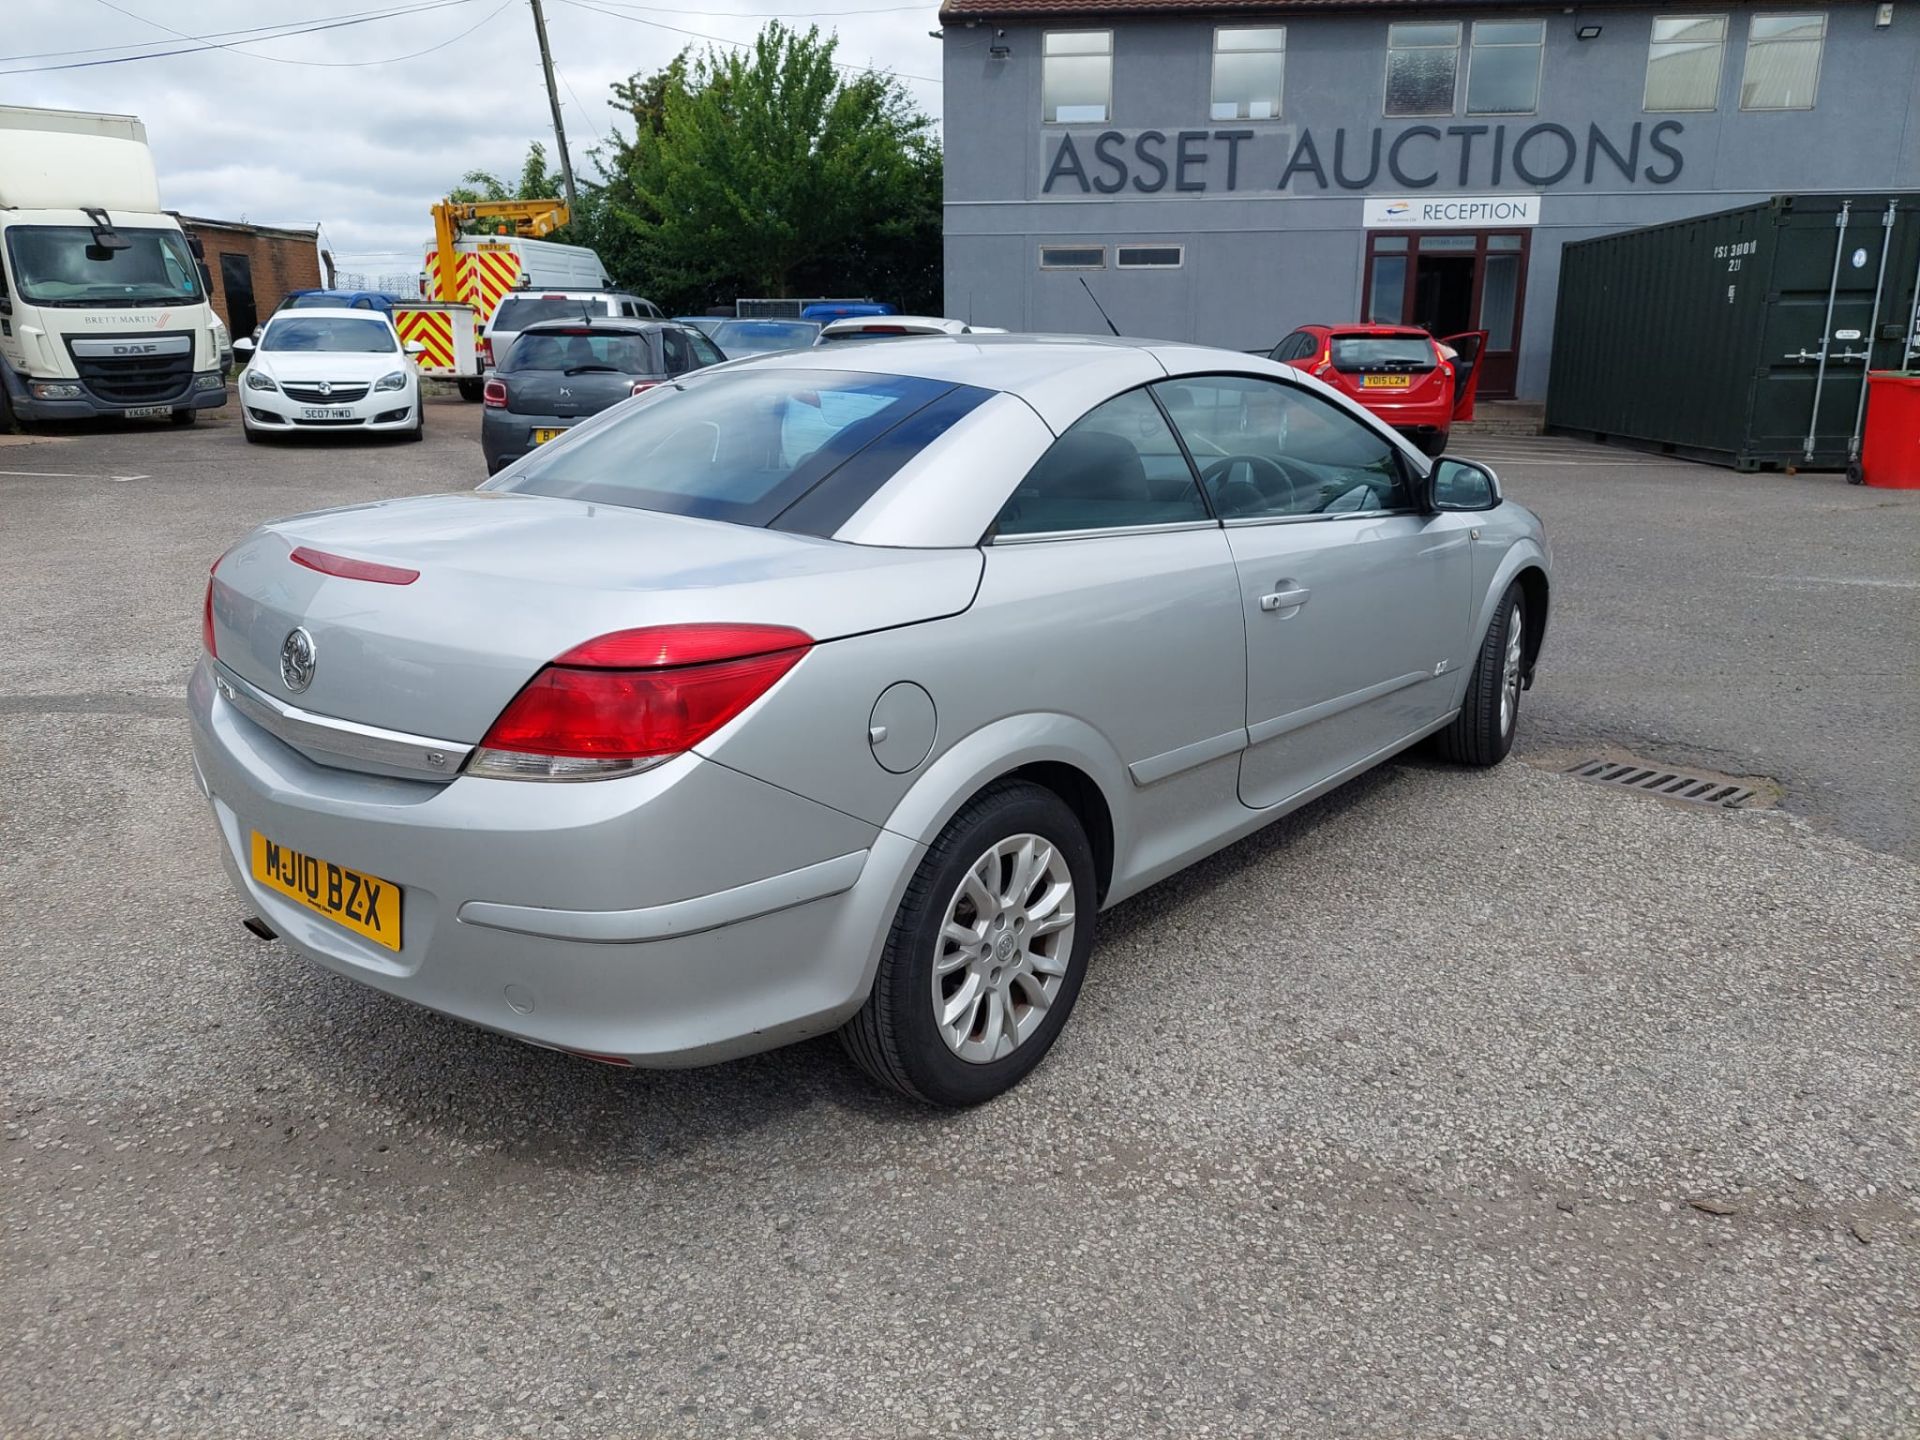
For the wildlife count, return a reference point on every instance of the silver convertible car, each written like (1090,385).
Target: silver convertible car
(841,690)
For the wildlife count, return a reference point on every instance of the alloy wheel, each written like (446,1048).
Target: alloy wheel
(1004,948)
(1510,669)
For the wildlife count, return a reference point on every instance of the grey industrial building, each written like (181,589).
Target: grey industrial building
(1227,170)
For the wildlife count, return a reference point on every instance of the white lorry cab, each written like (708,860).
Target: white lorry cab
(103,310)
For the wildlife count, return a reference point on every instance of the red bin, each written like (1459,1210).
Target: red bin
(1890,450)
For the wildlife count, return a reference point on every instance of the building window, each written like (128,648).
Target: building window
(1503,72)
(1073,257)
(1683,62)
(1422,62)
(1149,257)
(1783,62)
(1249,72)
(1077,77)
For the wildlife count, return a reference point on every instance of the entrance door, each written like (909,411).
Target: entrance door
(236,280)
(1452,282)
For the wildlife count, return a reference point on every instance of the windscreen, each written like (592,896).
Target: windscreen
(328,335)
(517,312)
(61,265)
(739,446)
(762,337)
(1382,352)
(576,352)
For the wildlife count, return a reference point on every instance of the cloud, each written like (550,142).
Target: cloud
(364,148)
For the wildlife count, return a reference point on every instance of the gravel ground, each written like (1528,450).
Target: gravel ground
(1460,1103)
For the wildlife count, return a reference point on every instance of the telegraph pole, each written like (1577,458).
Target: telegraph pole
(553,99)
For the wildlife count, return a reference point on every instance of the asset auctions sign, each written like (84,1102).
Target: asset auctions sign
(1450,212)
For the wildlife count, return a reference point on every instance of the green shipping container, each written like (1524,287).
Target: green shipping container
(1743,337)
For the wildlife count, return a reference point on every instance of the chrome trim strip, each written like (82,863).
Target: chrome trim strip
(1246,522)
(1171,762)
(421,755)
(1168,529)
(678,917)
(131,347)
(1300,719)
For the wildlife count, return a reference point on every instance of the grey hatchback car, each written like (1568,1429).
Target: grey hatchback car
(841,690)
(561,371)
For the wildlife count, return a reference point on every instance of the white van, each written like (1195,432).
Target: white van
(534,264)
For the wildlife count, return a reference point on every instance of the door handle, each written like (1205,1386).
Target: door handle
(1285,599)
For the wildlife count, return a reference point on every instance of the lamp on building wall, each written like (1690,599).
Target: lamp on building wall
(999,49)
(1587,32)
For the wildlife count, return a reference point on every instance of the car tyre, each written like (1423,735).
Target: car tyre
(1435,445)
(254,437)
(898,1036)
(1482,733)
(473,391)
(419,430)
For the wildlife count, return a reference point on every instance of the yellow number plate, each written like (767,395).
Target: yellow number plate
(1383,382)
(540,437)
(364,904)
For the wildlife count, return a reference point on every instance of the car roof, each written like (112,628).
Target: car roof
(1060,376)
(330,312)
(1412,332)
(612,324)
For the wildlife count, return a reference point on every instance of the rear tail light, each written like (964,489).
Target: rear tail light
(495,394)
(486,353)
(630,700)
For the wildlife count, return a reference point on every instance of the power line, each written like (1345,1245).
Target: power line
(319,64)
(201,49)
(758,14)
(379,13)
(736,44)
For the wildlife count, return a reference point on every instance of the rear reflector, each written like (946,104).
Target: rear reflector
(630,700)
(349,569)
(495,394)
(206,613)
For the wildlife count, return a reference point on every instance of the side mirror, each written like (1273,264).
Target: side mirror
(414,347)
(1462,485)
(243,346)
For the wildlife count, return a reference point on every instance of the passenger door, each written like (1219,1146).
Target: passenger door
(1112,596)
(1467,350)
(1355,602)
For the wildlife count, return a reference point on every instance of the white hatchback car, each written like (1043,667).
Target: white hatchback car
(329,370)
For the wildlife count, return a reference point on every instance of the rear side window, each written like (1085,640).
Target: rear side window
(1383,352)
(579,351)
(740,446)
(705,352)
(1119,466)
(1267,450)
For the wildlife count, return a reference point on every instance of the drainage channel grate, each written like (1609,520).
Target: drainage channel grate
(1668,784)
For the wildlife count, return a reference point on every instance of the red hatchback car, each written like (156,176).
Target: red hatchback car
(1415,383)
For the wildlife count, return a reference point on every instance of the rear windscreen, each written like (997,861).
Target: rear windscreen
(742,446)
(519,311)
(573,351)
(1382,352)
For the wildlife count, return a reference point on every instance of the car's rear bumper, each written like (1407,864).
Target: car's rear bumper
(506,435)
(686,914)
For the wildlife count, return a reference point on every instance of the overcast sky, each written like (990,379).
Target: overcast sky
(363,148)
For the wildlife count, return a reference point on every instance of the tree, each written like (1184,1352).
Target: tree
(765,170)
